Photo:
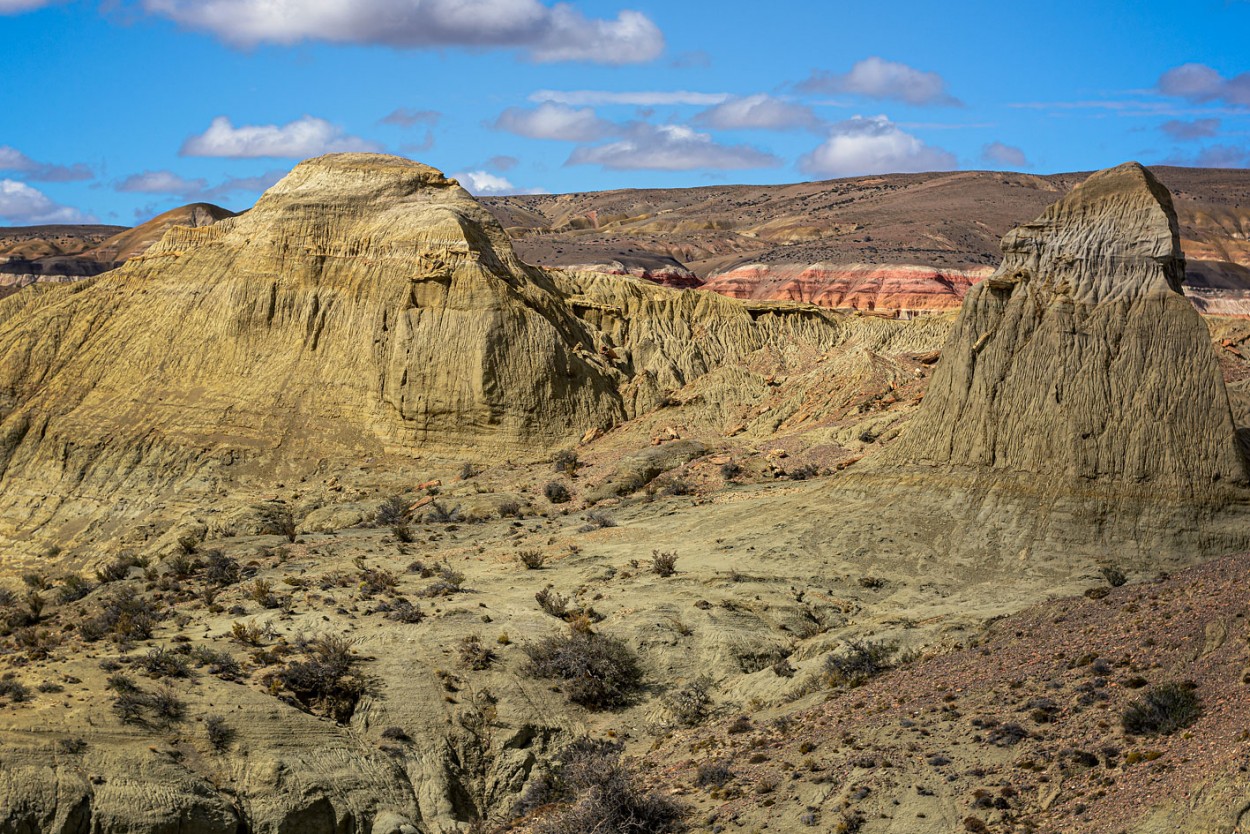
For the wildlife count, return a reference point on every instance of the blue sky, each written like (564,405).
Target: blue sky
(115,110)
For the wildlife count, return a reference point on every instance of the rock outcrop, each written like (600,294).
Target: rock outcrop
(366,305)
(1080,360)
(894,289)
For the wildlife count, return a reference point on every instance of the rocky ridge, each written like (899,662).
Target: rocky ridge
(943,222)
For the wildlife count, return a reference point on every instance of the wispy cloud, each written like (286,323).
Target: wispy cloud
(551,120)
(426,144)
(161,182)
(695,59)
(502,163)
(244,185)
(544,33)
(304,137)
(759,112)
(1214,156)
(641,98)
(175,185)
(14,161)
(408,116)
(881,79)
(1188,131)
(1125,107)
(19,6)
(671,148)
(486,184)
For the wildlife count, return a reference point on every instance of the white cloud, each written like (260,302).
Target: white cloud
(997,153)
(1183,131)
(670,148)
(554,121)
(643,98)
(19,6)
(23,205)
(486,184)
(630,39)
(304,137)
(408,116)
(873,145)
(546,33)
(758,112)
(161,182)
(878,78)
(193,190)
(1200,83)
(11,159)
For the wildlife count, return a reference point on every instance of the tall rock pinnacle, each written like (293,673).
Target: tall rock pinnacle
(1080,359)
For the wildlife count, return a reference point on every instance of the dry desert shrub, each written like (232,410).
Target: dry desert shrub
(663,564)
(858,662)
(391,512)
(557,493)
(474,654)
(1164,709)
(219,733)
(690,705)
(591,790)
(565,462)
(598,671)
(327,682)
(532,559)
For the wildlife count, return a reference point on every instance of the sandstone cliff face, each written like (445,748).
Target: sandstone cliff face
(875,287)
(366,305)
(1080,359)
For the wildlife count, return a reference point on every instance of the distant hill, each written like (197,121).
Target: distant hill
(950,223)
(66,253)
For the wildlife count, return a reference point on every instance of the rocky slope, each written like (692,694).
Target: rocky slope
(752,240)
(910,289)
(1018,730)
(908,242)
(123,246)
(33,242)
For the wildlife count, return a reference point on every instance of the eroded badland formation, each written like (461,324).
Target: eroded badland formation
(338,516)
